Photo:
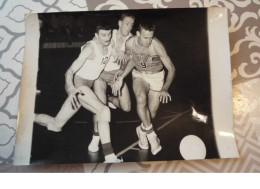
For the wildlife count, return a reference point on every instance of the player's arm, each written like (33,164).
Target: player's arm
(164,96)
(128,51)
(120,56)
(76,65)
(129,67)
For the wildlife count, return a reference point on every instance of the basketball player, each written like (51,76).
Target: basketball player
(110,72)
(80,78)
(148,58)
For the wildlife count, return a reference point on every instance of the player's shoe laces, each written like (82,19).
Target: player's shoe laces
(111,158)
(93,146)
(155,143)
(143,142)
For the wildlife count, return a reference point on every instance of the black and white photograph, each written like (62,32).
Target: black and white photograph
(126,86)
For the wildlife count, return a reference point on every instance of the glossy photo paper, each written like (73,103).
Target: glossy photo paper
(195,123)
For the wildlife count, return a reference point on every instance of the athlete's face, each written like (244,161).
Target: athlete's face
(145,37)
(126,25)
(104,37)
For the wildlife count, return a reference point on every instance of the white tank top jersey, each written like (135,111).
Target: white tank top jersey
(111,65)
(91,69)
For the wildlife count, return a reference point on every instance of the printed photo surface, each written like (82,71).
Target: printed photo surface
(126,86)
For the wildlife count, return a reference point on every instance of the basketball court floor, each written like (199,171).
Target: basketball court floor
(173,122)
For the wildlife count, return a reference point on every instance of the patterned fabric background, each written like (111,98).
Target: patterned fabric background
(244,32)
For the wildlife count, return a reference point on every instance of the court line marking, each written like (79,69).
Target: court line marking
(160,128)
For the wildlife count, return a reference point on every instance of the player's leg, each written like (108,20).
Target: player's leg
(153,105)
(153,102)
(123,102)
(124,99)
(99,89)
(45,120)
(113,102)
(146,128)
(141,89)
(91,102)
(156,83)
(56,123)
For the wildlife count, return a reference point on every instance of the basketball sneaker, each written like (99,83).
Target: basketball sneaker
(143,142)
(111,158)
(111,105)
(93,146)
(154,142)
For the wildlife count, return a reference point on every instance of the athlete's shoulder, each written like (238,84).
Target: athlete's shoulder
(88,46)
(130,41)
(130,35)
(87,50)
(114,33)
(156,42)
(157,45)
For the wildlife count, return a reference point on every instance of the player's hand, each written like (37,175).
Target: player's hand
(117,74)
(116,87)
(164,96)
(121,58)
(75,102)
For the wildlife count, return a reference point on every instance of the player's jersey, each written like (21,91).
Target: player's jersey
(111,65)
(91,69)
(144,61)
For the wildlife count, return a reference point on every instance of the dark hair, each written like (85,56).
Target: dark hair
(103,26)
(146,25)
(126,15)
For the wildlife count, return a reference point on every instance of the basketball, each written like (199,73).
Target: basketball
(192,147)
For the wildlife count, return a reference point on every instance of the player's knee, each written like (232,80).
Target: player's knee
(104,115)
(141,99)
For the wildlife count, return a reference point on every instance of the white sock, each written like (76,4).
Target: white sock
(95,139)
(147,128)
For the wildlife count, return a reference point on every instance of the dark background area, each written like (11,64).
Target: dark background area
(182,31)
(184,35)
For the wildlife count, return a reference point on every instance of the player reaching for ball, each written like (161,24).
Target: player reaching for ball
(148,58)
